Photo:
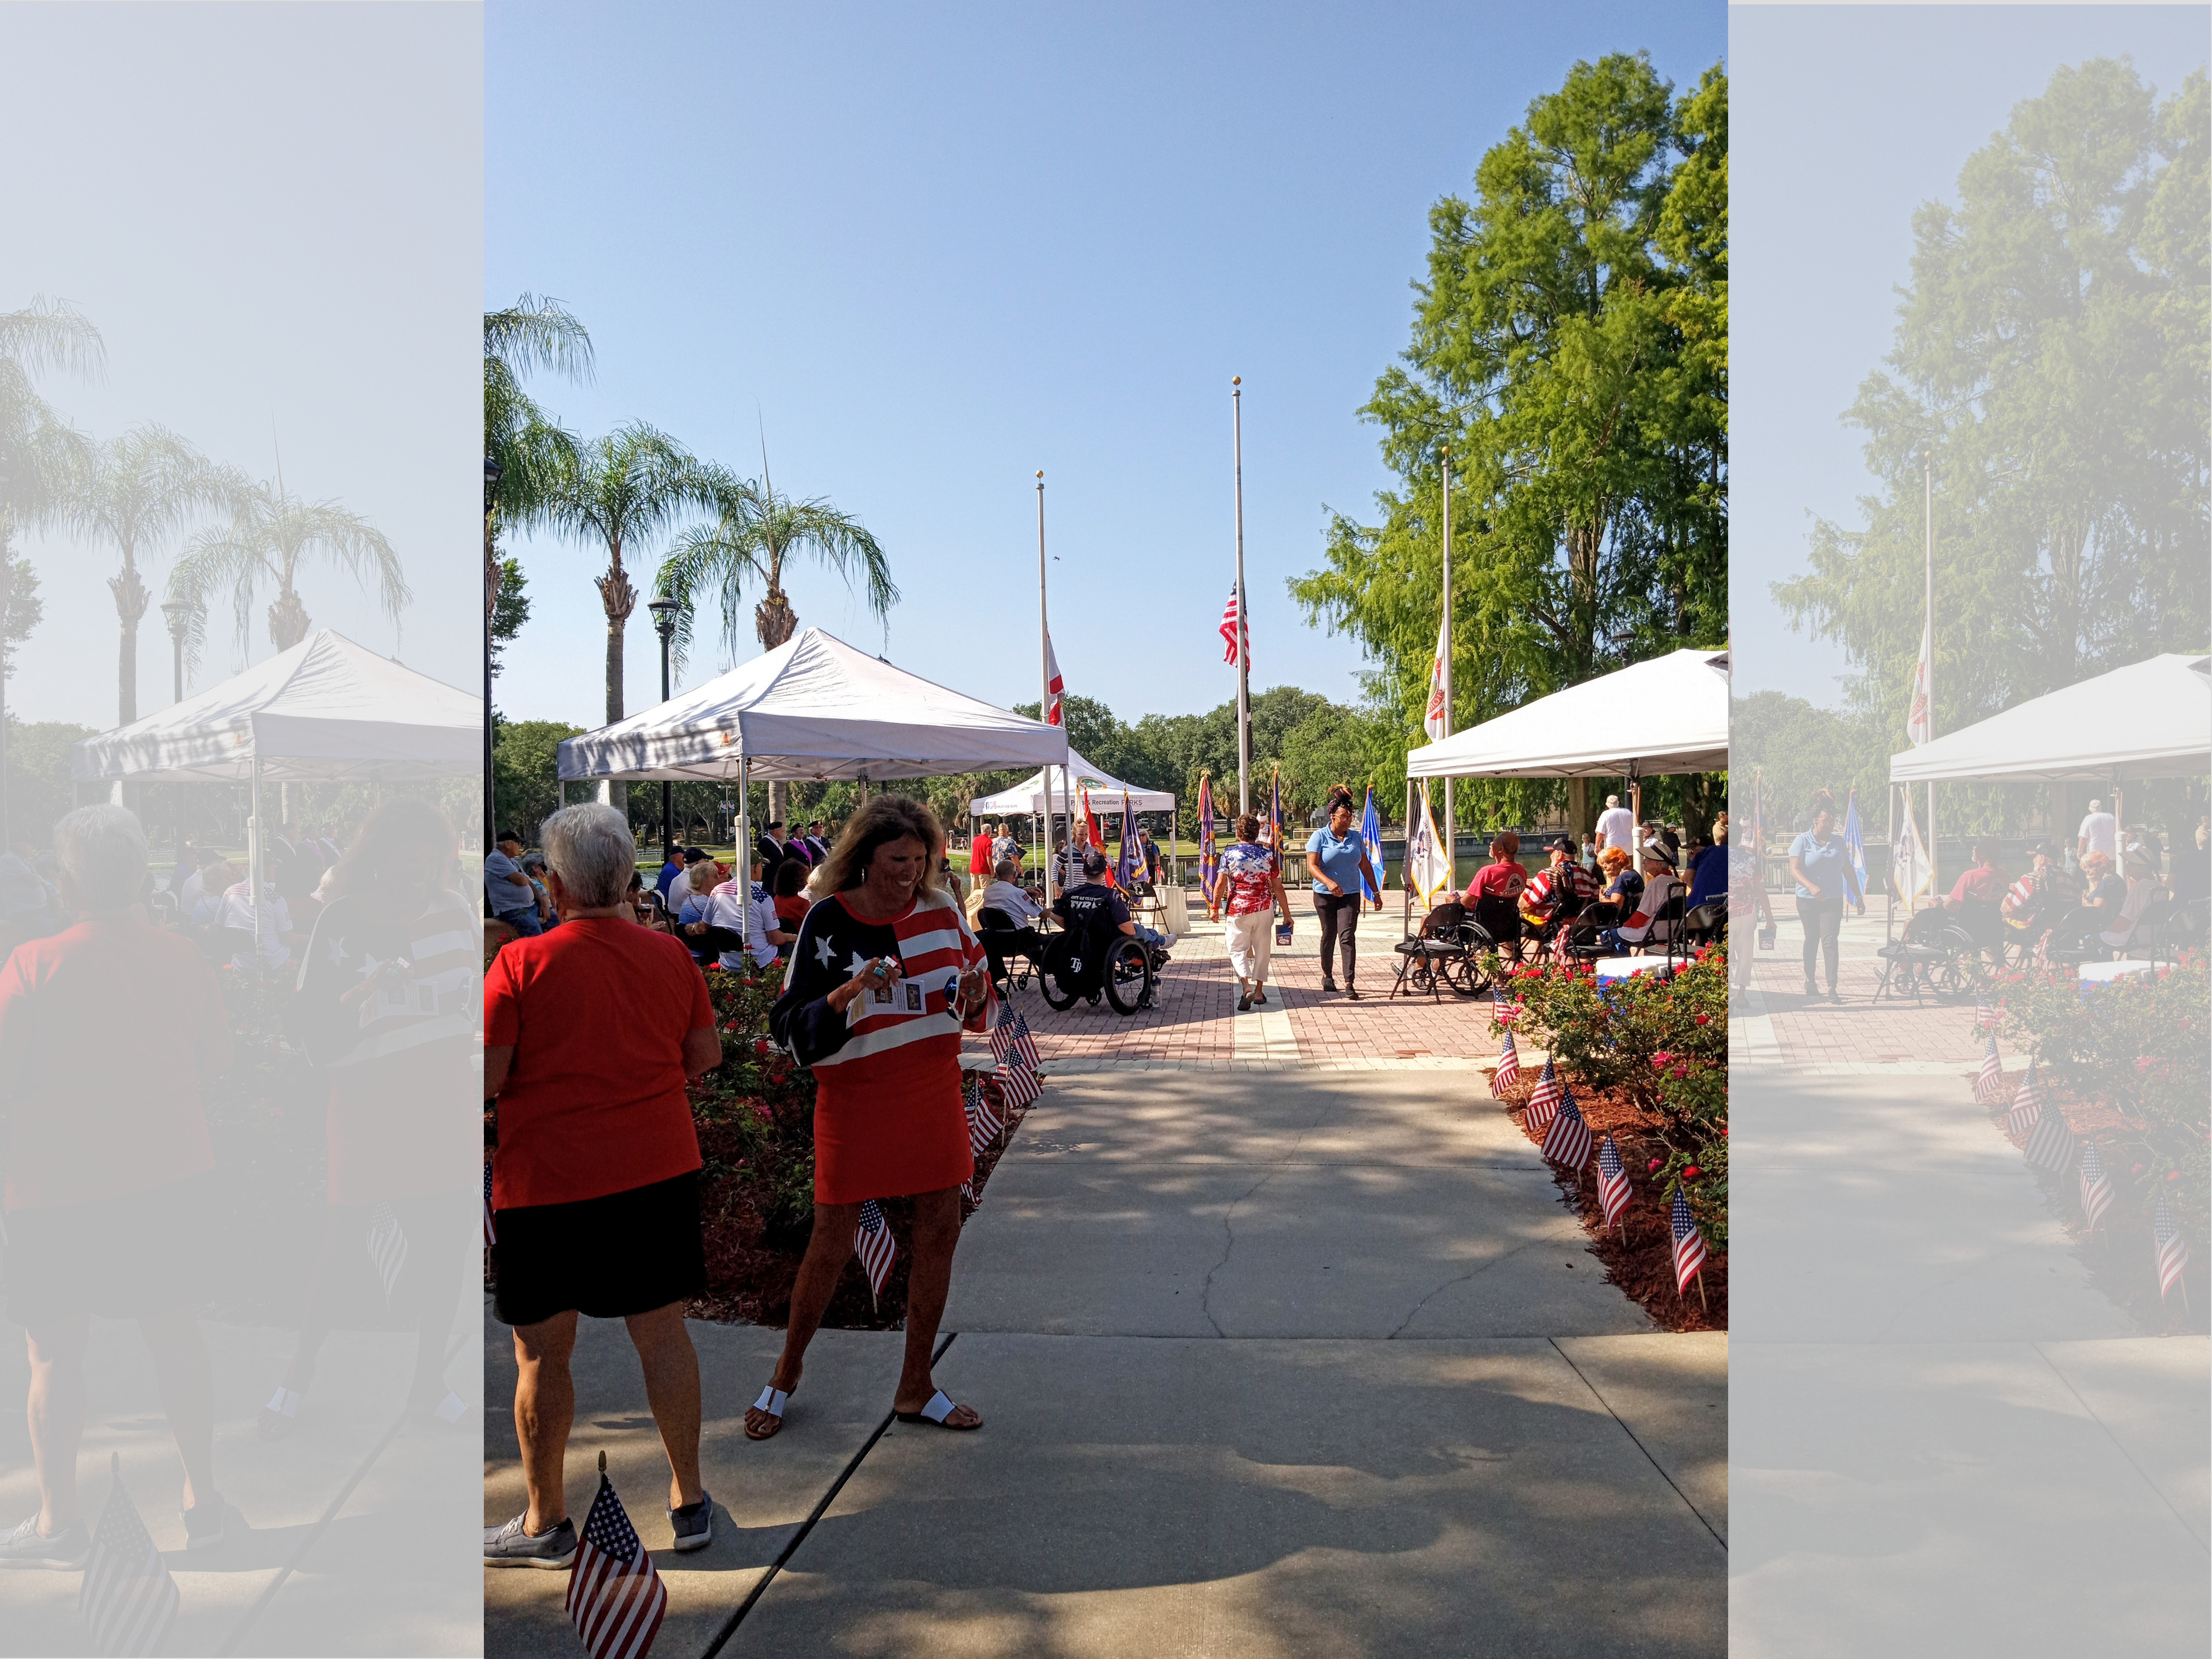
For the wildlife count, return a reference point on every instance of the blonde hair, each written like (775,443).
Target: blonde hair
(701,877)
(885,819)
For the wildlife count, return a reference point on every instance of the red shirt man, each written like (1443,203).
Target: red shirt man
(979,853)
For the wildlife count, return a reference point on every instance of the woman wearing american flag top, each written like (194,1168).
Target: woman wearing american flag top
(884,977)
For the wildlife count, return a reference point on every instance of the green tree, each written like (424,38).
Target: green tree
(41,455)
(531,451)
(1569,354)
(525,767)
(136,492)
(2048,367)
(511,610)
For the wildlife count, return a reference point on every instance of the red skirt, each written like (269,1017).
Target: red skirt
(886,1138)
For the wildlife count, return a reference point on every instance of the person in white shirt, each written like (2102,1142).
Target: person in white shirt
(274,935)
(2099,833)
(748,911)
(1616,826)
(1659,884)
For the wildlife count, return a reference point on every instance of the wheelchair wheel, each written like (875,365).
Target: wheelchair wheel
(1128,977)
(1951,982)
(1056,997)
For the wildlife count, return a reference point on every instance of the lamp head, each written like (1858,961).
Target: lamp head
(664,611)
(179,615)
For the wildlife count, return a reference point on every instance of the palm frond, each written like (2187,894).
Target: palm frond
(53,335)
(535,334)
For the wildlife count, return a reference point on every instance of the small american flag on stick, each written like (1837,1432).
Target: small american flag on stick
(2051,1144)
(1018,1086)
(1612,1189)
(2173,1251)
(2096,1187)
(1509,1068)
(2026,1105)
(1501,1010)
(1011,1036)
(1985,1016)
(491,1228)
(615,1600)
(1567,1143)
(1990,1083)
(387,1247)
(984,1123)
(127,1598)
(871,1243)
(1689,1248)
(1544,1104)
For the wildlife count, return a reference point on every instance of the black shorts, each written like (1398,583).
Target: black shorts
(121,1258)
(608,1257)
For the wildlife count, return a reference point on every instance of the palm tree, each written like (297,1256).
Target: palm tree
(270,535)
(623,490)
(531,449)
(754,532)
(41,455)
(137,491)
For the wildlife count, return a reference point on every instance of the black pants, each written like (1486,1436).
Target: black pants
(1823,920)
(1340,919)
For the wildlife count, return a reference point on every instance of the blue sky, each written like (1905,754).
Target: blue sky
(937,250)
(1843,120)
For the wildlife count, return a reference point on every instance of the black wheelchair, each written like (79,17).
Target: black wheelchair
(1446,955)
(1936,957)
(1094,960)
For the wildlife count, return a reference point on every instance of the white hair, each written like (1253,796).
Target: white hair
(2096,806)
(589,846)
(102,850)
(1613,800)
(1007,870)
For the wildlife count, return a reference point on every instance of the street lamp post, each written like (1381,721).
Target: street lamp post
(491,605)
(178,615)
(664,611)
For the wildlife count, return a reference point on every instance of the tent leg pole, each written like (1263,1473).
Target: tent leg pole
(1889,878)
(253,860)
(1406,864)
(745,849)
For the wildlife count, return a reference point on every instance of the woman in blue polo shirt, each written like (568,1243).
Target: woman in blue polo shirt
(1821,862)
(1336,858)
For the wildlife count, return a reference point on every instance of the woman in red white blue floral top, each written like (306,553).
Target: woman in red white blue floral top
(1252,876)
(884,978)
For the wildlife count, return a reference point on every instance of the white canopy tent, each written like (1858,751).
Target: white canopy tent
(2149,720)
(327,710)
(1033,796)
(813,709)
(1665,715)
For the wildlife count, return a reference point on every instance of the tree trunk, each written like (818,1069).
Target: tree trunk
(131,599)
(775,622)
(620,599)
(1580,820)
(287,621)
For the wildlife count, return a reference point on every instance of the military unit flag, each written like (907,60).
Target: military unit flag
(1567,1142)
(127,1597)
(871,1243)
(1613,1188)
(1509,1068)
(2096,1187)
(615,1600)
(1545,1101)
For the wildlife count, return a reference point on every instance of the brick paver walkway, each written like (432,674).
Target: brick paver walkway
(1859,1031)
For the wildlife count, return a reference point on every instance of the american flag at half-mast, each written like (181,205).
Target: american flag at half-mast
(2172,1248)
(1011,1036)
(1613,1188)
(1509,1067)
(1567,1142)
(1231,633)
(127,1598)
(1544,1103)
(2050,1143)
(1989,1083)
(2026,1104)
(871,1243)
(984,1123)
(615,1600)
(1018,1086)
(2096,1187)
(1689,1244)
(387,1247)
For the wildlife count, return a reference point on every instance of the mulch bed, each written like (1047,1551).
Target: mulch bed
(2121,1255)
(1638,1251)
(752,1264)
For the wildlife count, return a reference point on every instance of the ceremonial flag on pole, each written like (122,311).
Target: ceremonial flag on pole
(615,1600)
(1689,1244)
(1545,1101)
(1234,632)
(1509,1067)
(127,1596)
(1918,715)
(1010,1035)
(871,1243)
(387,1247)
(1990,1082)
(1017,1085)
(1435,721)
(2096,1187)
(1910,873)
(2172,1248)
(1567,1143)
(1855,838)
(1275,810)
(1054,684)
(2051,1145)
(1428,867)
(1370,831)
(1129,868)
(1613,1188)
(2026,1105)
(1097,834)
(1209,855)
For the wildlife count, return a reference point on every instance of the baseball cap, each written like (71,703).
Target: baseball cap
(1560,844)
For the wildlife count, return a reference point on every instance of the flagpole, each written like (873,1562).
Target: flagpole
(1927,486)
(1244,617)
(1044,687)
(1451,818)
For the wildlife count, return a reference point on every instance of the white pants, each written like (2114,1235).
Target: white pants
(1251,937)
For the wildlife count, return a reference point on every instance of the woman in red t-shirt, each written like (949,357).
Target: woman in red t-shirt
(1494,895)
(884,977)
(590,1033)
(792,903)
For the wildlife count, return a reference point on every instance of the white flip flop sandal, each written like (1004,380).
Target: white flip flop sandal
(772,1400)
(285,1405)
(941,1405)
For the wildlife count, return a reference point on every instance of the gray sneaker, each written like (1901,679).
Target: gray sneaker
(694,1523)
(511,1546)
(65,1551)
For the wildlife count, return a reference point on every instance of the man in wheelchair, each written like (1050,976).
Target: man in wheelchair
(1102,950)
(1092,905)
